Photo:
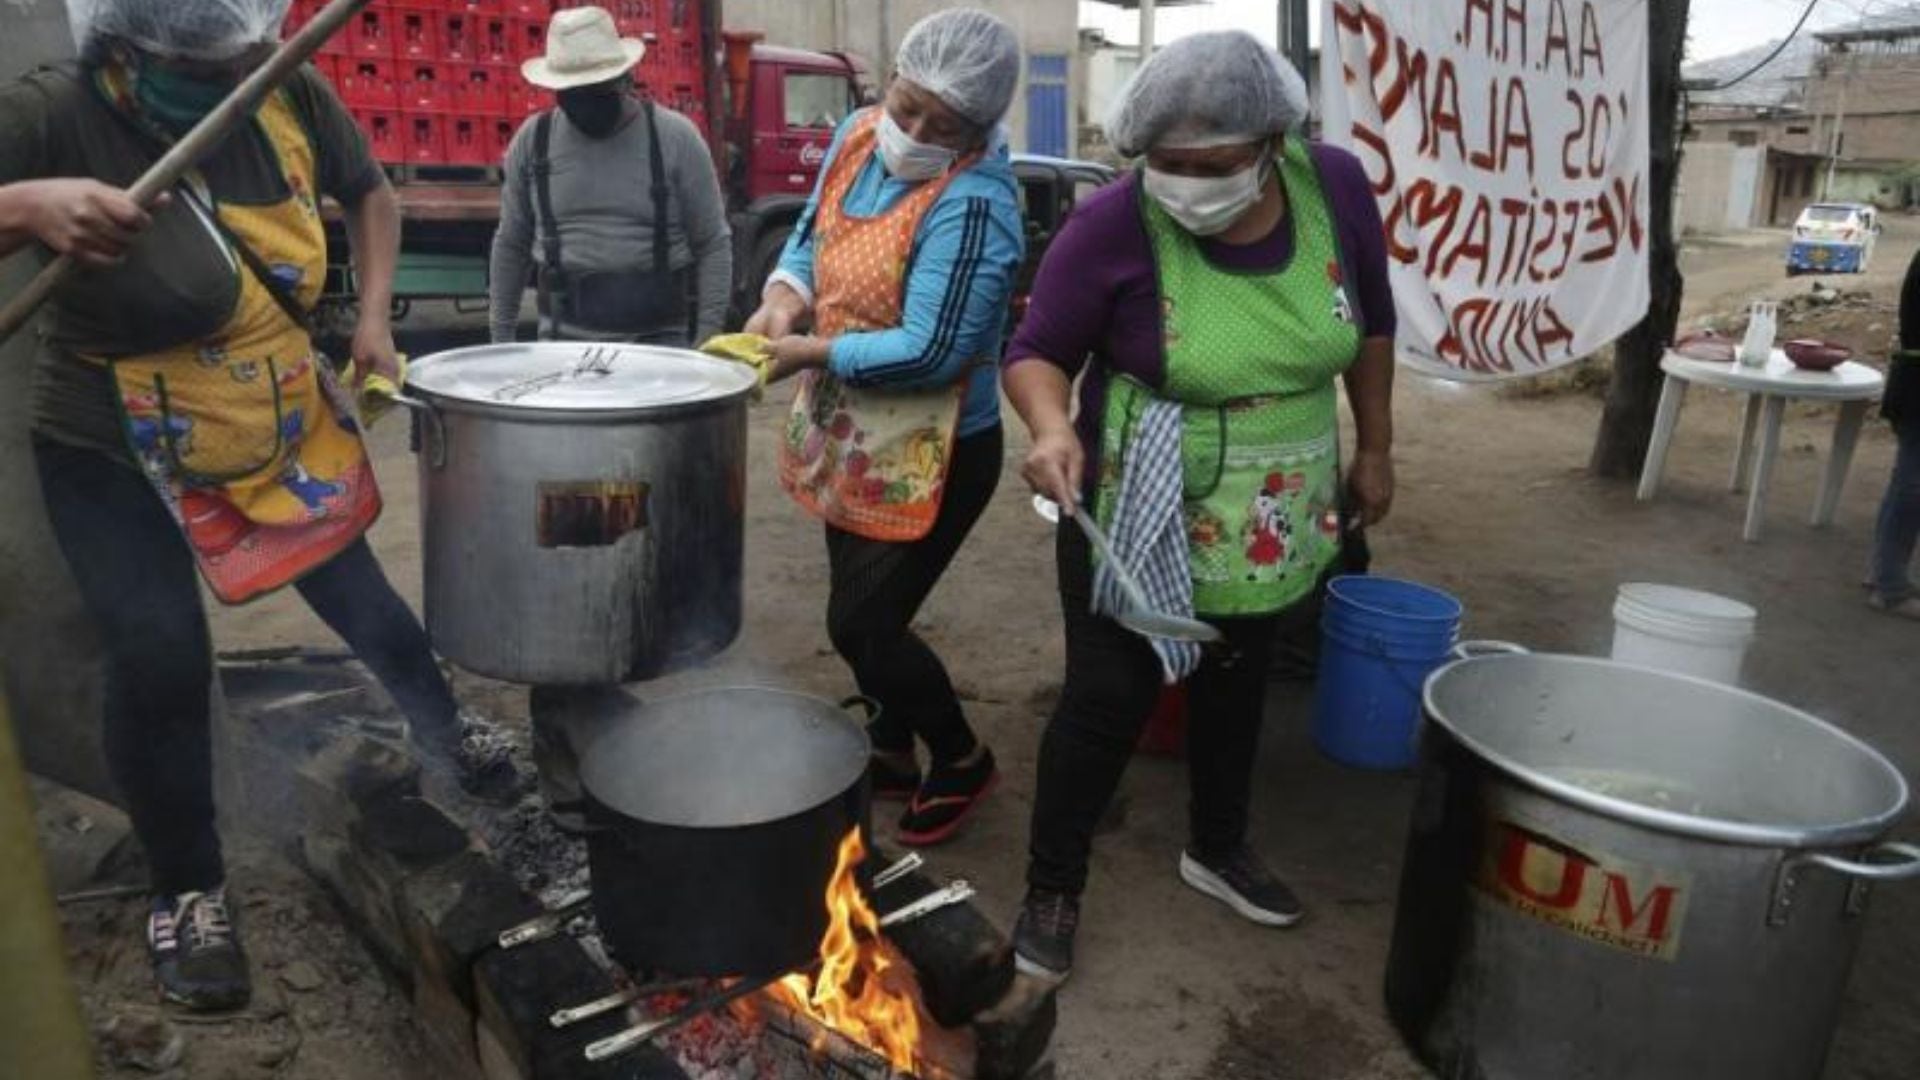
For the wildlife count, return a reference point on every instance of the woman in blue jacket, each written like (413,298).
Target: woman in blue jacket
(904,264)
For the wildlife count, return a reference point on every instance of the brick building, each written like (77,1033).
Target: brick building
(1835,117)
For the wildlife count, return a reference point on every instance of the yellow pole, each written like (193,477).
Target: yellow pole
(41,1034)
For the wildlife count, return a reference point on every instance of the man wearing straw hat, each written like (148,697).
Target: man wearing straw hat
(613,198)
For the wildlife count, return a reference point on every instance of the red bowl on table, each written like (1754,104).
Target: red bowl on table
(1808,354)
(1705,345)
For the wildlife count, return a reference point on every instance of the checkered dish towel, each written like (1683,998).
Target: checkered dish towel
(1149,533)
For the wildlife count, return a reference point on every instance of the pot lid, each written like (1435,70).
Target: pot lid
(721,758)
(578,377)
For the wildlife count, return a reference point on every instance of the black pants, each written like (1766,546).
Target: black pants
(877,587)
(1112,682)
(137,578)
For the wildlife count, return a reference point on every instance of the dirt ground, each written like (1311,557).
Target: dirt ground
(322,1008)
(1494,506)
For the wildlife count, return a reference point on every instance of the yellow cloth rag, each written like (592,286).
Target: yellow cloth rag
(752,350)
(377,392)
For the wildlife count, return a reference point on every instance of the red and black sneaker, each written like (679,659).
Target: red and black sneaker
(893,775)
(946,799)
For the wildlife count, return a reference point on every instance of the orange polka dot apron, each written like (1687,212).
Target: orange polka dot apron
(868,461)
(246,435)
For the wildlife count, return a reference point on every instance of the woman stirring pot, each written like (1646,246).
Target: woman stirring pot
(1210,302)
(905,262)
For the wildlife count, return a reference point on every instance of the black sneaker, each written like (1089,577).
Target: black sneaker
(946,799)
(1242,882)
(196,953)
(1043,938)
(893,775)
(479,755)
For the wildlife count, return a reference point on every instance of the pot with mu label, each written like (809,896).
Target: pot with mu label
(1614,871)
(581,506)
(717,817)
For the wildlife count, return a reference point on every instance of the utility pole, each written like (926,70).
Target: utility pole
(1146,30)
(1292,34)
(1839,122)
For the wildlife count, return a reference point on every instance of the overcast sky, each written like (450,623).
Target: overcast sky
(1719,26)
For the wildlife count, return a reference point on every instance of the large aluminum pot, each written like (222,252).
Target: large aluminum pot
(581,508)
(1619,872)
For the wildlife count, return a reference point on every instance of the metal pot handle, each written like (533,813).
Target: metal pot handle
(864,703)
(1907,868)
(436,428)
(1467,650)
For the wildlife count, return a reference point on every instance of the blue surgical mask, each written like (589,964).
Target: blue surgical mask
(174,101)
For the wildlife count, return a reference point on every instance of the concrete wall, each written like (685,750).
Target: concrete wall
(47,655)
(873,29)
(1875,101)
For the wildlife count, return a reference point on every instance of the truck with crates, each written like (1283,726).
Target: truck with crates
(436,86)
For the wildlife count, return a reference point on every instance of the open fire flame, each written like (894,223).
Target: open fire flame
(863,990)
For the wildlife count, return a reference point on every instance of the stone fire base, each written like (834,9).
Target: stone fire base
(431,903)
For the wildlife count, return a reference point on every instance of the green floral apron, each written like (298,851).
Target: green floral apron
(1252,359)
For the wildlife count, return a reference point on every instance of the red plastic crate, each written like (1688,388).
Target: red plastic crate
(470,140)
(528,99)
(460,36)
(424,137)
(416,33)
(503,129)
(523,39)
(425,86)
(526,9)
(384,134)
(370,33)
(480,89)
(366,82)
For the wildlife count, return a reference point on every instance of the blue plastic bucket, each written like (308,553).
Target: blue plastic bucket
(1381,638)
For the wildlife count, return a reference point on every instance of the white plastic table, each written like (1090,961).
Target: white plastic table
(1852,385)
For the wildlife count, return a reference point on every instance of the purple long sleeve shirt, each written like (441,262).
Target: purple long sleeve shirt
(1095,301)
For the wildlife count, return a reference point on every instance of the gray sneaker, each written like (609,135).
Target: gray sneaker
(1242,882)
(1905,608)
(196,954)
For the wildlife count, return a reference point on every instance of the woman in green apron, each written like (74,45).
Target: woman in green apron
(1208,305)
(182,420)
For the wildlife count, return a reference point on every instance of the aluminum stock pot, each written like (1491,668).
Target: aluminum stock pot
(581,507)
(1619,872)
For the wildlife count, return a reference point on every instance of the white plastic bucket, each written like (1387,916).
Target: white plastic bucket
(1683,630)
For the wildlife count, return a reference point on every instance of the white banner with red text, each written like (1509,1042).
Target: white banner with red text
(1507,145)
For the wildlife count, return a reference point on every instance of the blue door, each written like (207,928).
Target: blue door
(1047,104)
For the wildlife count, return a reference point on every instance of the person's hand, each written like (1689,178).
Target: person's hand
(91,221)
(1054,466)
(781,310)
(795,353)
(1370,485)
(373,349)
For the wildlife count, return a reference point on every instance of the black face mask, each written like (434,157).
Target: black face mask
(595,110)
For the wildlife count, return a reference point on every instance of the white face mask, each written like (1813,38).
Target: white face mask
(1206,205)
(907,159)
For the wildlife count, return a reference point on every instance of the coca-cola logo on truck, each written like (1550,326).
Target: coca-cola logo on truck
(812,154)
(1610,902)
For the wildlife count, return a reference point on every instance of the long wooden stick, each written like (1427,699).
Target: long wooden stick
(195,145)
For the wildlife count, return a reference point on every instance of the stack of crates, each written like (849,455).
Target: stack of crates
(437,82)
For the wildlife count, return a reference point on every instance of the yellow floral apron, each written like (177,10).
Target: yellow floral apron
(246,435)
(872,462)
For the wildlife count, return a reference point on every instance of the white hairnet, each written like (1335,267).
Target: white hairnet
(1207,90)
(965,57)
(180,29)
